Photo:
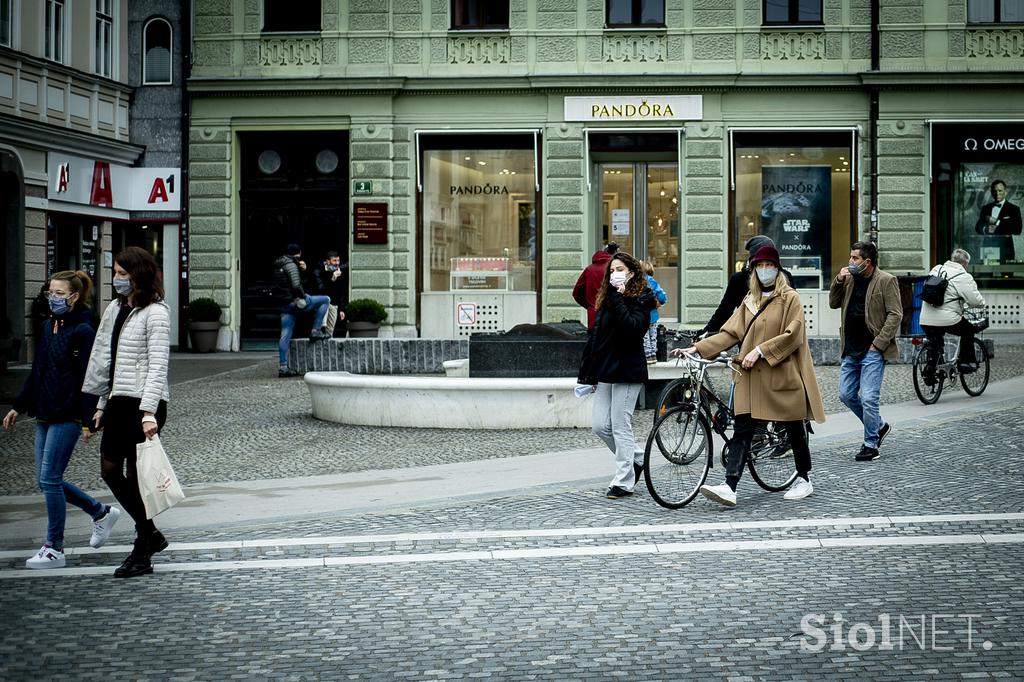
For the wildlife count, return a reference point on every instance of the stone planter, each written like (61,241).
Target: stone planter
(363,329)
(203,336)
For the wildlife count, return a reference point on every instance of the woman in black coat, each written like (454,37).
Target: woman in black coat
(53,395)
(617,364)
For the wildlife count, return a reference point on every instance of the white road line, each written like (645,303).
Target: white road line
(540,553)
(645,529)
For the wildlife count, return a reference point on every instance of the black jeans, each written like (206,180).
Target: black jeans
(936,335)
(743,434)
(122,431)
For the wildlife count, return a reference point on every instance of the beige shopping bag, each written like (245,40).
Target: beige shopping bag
(157,483)
(331,319)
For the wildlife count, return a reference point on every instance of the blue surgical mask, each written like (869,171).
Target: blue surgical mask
(856,268)
(123,286)
(59,306)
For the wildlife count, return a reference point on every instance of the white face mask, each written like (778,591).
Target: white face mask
(617,279)
(767,276)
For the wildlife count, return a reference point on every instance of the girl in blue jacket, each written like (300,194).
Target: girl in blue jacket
(53,395)
(651,339)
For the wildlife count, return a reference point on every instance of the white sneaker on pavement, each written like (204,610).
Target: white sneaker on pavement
(101,528)
(799,490)
(46,557)
(722,494)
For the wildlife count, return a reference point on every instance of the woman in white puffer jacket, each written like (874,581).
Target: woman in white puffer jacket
(128,371)
(938,320)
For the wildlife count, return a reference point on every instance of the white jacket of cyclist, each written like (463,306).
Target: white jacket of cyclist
(961,292)
(143,353)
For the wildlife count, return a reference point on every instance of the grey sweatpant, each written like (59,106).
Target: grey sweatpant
(612,423)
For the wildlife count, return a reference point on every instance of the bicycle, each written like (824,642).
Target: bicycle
(947,371)
(680,451)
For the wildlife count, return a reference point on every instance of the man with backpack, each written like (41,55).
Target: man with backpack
(942,311)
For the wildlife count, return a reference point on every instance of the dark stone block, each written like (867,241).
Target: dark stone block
(529,350)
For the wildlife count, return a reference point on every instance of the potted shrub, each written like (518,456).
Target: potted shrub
(203,316)
(364,316)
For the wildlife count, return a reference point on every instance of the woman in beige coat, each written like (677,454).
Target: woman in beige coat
(777,382)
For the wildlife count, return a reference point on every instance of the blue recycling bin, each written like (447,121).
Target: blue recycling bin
(911,287)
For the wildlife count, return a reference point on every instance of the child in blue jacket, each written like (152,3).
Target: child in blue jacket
(651,340)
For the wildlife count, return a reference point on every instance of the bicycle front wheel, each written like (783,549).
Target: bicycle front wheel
(925,393)
(976,382)
(671,395)
(771,458)
(678,456)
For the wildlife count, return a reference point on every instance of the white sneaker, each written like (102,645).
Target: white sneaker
(722,494)
(46,557)
(101,528)
(799,490)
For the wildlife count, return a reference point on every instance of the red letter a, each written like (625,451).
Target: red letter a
(159,191)
(102,194)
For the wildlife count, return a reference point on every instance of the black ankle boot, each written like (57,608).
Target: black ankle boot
(136,563)
(157,542)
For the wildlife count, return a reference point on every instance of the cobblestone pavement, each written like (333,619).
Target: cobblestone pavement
(248,425)
(917,554)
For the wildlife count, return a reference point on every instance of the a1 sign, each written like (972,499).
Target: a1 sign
(363,187)
(465,313)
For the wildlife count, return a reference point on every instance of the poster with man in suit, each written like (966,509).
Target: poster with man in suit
(999,223)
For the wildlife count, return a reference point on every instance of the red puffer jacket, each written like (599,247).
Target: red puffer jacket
(589,283)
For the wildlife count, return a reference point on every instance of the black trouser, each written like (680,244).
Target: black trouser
(122,431)
(743,434)
(936,335)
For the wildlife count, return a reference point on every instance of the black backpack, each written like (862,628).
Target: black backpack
(934,290)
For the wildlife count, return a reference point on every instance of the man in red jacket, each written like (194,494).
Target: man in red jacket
(589,283)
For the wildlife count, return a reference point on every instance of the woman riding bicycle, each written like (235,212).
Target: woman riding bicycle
(777,382)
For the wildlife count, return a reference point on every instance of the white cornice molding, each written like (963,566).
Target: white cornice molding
(28,133)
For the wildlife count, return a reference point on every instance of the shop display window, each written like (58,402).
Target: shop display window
(796,189)
(978,195)
(479,219)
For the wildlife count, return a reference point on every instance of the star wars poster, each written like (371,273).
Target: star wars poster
(796,212)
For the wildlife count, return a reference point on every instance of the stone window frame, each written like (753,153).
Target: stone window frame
(635,12)
(145,52)
(996,6)
(56,48)
(457,8)
(793,14)
(274,17)
(104,38)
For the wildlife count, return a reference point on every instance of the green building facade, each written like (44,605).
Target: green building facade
(467,166)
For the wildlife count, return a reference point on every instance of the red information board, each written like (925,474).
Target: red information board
(370,223)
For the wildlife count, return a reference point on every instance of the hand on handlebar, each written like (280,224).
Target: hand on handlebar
(679,352)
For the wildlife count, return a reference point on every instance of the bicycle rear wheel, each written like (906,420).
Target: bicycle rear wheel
(678,456)
(771,457)
(976,382)
(925,393)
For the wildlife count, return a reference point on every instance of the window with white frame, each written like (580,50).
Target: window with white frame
(104,37)
(53,30)
(156,53)
(6,22)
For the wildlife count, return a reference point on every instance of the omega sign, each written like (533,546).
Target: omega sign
(668,108)
(972,144)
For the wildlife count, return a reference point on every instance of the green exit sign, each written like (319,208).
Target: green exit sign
(363,187)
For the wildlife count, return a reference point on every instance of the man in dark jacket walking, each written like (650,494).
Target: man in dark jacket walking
(590,280)
(295,303)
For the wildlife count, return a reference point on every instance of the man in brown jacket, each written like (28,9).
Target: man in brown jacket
(869,322)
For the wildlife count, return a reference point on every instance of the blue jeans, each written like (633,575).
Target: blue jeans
(290,313)
(860,387)
(54,444)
